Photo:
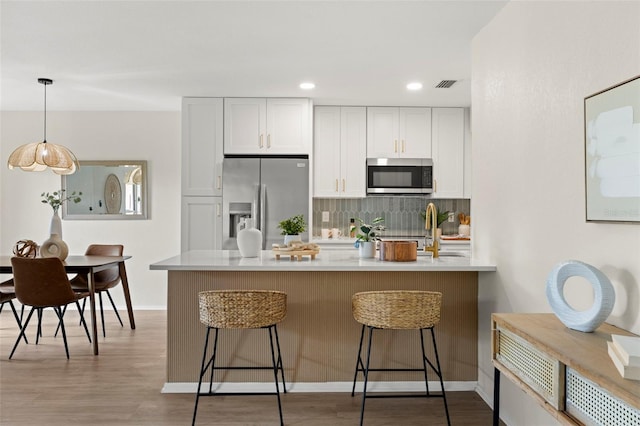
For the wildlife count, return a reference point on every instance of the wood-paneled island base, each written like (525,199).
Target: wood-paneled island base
(319,336)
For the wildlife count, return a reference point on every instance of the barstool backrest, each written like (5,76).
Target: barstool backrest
(397,309)
(242,308)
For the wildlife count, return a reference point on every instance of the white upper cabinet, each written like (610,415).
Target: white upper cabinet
(266,126)
(202,146)
(448,152)
(398,132)
(339,152)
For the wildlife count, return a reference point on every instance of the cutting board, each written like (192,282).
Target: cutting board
(297,254)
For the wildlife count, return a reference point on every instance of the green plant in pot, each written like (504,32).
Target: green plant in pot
(442,217)
(295,225)
(366,236)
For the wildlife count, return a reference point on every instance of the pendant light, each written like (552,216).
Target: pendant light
(36,157)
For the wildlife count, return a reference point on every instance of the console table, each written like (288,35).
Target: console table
(567,372)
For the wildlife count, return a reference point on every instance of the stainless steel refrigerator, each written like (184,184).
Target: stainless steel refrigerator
(265,189)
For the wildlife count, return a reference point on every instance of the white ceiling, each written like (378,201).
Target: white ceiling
(146,55)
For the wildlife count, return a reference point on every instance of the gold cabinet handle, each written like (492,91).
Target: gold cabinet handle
(336,185)
(218,182)
(395,145)
(344,185)
(261,140)
(268,141)
(218,209)
(435,185)
(403,145)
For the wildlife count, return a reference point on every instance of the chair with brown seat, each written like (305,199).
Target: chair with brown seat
(43,283)
(104,280)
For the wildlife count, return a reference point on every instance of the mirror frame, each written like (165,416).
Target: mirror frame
(111,163)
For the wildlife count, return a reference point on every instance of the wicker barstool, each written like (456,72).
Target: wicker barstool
(398,310)
(241,309)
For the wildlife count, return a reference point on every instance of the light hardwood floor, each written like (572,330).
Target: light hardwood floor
(121,386)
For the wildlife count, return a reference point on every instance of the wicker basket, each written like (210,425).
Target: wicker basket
(242,308)
(397,309)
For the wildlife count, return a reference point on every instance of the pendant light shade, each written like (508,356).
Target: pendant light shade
(38,156)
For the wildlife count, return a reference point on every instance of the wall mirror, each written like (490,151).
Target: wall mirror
(112,190)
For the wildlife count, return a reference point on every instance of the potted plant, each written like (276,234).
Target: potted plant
(55,200)
(366,236)
(292,228)
(442,217)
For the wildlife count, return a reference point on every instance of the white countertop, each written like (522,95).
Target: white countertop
(326,260)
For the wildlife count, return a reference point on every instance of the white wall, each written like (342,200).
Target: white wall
(532,67)
(151,136)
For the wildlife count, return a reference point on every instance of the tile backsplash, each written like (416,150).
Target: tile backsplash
(401,214)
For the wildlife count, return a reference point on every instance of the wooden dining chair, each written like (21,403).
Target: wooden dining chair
(104,280)
(43,283)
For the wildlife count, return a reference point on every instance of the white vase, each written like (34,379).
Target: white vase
(56,224)
(249,239)
(367,249)
(289,238)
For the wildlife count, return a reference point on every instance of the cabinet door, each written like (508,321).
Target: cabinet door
(415,132)
(353,148)
(326,152)
(382,132)
(448,152)
(202,146)
(287,126)
(201,223)
(245,125)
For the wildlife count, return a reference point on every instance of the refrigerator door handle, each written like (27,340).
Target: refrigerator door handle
(255,208)
(263,210)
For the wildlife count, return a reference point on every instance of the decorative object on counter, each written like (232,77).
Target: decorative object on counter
(296,249)
(336,233)
(604,295)
(441,218)
(398,251)
(367,236)
(325,233)
(26,248)
(465,225)
(292,228)
(352,228)
(249,238)
(37,156)
(54,246)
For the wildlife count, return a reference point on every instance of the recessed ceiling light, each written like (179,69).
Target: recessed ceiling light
(307,86)
(414,86)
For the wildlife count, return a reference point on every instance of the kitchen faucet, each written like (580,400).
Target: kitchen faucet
(428,224)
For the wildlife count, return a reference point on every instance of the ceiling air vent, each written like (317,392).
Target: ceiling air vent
(445,84)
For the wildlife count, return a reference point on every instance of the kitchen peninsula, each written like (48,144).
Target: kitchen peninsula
(319,336)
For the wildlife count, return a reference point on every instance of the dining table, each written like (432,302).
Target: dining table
(87,264)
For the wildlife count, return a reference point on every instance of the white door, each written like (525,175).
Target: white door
(448,152)
(382,132)
(353,149)
(326,152)
(245,125)
(201,223)
(287,126)
(202,155)
(415,133)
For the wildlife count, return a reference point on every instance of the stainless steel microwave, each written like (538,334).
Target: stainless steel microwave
(399,176)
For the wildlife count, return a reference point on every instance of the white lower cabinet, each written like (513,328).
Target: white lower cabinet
(447,140)
(339,147)
(201,223)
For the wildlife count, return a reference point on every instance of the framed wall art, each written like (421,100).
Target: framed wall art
(612,153)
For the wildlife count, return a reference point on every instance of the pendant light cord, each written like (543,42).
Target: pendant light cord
(45,112)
